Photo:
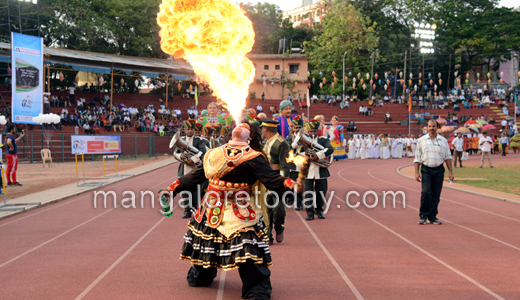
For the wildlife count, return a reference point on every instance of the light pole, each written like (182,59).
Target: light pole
(343,96)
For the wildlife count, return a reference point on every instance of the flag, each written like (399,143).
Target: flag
(410,102)
(196,97)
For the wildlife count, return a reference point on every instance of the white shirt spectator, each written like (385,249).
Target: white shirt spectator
(458,144)
(504,123)
(259,108)
(86,126)
(46,100)
(503,140)
(71,90)
(485,143)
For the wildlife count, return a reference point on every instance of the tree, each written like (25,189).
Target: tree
(76,24)
(126,27)
(327,48)
(135,27)
(266,19)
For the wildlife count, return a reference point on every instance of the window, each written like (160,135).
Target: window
(293,69)
(266,67)
(277,67)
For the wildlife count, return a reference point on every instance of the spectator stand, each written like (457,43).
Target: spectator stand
(12,206)
(115,158)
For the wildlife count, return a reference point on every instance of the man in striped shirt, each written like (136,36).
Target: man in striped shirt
(431,153)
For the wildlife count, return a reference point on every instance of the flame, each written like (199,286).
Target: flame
(296,159)
(214,36)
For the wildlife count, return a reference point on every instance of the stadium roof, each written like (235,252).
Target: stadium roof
(105,63)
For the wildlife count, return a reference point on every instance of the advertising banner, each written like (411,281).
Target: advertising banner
(27,91)
(91,144)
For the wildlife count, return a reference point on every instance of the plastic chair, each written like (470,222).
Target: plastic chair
(46,157)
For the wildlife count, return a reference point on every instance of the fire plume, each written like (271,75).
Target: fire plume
(214,36)
(298,160)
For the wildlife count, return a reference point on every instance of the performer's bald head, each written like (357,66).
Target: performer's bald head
(241,133)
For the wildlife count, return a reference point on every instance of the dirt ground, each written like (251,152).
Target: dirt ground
(35,178)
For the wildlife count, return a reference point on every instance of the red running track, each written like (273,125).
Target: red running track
(71,250)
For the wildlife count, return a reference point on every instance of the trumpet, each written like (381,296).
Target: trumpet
(181,147)
(312,148)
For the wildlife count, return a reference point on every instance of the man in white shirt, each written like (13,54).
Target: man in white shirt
(71,92)
(458,149)
(485,143)
(259,109)
(504,124)
(504,141)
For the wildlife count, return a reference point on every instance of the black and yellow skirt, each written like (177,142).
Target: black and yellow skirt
(207,247)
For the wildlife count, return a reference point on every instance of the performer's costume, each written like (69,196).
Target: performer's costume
(185,169)
(316,180)
(336,137)
(228,234)
(212,120)
(276,149)
(515,142)
(285,122)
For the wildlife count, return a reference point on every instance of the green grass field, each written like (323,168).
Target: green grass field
(502,178)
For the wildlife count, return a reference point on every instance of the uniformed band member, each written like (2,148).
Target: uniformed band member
(225,135)
(207,131)
(191,139)
(316,180)
(198,129)
(276,149)
(217,129)
(297,125)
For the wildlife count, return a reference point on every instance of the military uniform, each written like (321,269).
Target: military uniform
(185,169)
(276,149)
(316,179)
(294,170)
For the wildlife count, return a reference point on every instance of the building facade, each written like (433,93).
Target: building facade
(307,14)
(283,75)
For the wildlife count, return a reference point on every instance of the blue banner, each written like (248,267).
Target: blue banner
(27,82)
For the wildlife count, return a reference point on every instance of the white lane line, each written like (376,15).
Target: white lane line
(95,282)
(221,283)
(449,200)
(430,255)
(54,238)
(444,219)
(39,212)
(71,201)
(332,260)
(60,235)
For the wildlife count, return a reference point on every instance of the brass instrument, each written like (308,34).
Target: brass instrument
(312,148)
(182,147)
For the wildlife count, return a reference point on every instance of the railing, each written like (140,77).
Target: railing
(29,148)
